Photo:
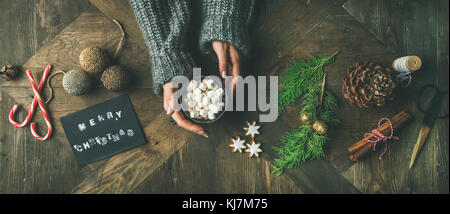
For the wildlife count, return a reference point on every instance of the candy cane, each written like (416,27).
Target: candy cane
(33,104)
(44,112)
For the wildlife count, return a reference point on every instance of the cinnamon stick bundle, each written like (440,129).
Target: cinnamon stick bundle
(363,146)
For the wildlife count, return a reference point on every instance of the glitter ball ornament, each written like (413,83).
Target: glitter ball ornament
(76,82)
(304,118)
(115,79)
(8,72)
(94,60)
(320,127)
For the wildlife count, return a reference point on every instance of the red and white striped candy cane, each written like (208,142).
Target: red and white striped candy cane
(38,99)
(43,110)
(33,104)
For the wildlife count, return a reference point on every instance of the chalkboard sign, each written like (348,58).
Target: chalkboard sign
(103,130)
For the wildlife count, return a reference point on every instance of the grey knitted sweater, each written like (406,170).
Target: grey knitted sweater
(164,25)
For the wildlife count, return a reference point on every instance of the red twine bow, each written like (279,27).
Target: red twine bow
(380,137)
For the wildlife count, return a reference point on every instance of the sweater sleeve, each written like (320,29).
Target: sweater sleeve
(164,25)
(228,21)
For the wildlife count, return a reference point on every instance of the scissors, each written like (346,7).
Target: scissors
(430,116)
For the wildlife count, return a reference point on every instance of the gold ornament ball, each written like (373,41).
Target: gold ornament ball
(94,60)
(320,127)
(114,78)
(304,118)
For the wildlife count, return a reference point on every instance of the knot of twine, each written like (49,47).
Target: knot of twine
(404,78)
(380,137)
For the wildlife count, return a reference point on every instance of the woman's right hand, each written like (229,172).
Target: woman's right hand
(169,106)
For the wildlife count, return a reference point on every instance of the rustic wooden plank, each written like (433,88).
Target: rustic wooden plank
(121,11)
(89,185)
(287,27)
(414,29)
(30,24)
(91,28)
(27,165)
(124,172)
(341,32)
(442,80)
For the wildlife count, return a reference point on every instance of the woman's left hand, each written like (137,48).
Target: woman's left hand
(229,61)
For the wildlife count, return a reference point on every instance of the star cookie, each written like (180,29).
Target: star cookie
(253,149)
(251,129)
(237,144)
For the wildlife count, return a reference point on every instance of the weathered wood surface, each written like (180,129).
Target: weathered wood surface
(409,28)
(176,161)
(314,183)
(29,166)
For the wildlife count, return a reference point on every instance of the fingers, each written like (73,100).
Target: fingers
(221,50)
(169,101)
(185,124)
(236,65)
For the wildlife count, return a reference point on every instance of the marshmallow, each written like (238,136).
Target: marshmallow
(192,104)
(197,91)
(211,115)
(203,113)
(204,99)
(210,93)
(190,96)
(202,86)
(219,91)
(216,99)
(193,84)
(193,114)
(210,84)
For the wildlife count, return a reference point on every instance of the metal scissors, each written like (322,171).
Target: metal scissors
(430,116)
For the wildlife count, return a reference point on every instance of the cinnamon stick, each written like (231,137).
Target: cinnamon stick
(361,152)
(362,146)
(384,129)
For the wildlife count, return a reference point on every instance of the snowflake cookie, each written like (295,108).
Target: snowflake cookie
(251,129)
(253,149)
(237,144)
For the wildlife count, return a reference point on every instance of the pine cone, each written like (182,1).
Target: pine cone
(8,72)
(367,84)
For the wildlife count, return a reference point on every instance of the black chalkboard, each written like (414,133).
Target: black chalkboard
(103,130)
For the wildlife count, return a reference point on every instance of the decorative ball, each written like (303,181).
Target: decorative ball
(115,79)
(320,127)
(8,72)
(94,60)
(76,82)
(305,119)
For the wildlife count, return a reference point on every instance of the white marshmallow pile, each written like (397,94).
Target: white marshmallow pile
(204,99)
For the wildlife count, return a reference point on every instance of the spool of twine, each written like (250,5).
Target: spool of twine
(404,67)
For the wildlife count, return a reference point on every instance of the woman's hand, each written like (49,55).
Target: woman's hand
(169,105)
(229,61)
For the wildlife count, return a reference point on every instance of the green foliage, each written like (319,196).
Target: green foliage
(303,143)
(300,77)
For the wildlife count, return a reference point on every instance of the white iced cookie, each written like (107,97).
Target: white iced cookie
(237,144)
(253,149)
(251,129)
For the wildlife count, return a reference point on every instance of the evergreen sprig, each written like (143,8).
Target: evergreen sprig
(304,79)
(300,77)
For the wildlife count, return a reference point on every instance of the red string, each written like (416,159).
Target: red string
(380,137)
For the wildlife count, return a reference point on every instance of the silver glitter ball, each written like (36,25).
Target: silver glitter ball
(76,82)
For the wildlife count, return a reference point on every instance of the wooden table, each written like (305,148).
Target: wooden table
(55,31)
